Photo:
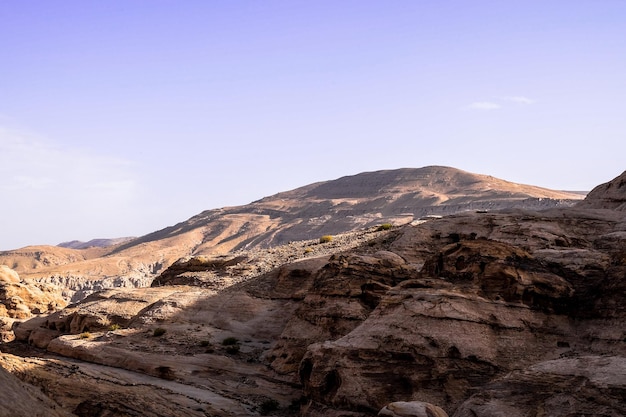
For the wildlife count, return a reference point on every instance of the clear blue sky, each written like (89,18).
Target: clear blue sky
(121,117)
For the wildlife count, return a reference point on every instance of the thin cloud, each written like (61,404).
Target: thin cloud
(52,190)
(34,169)
(520,99)
(484,105)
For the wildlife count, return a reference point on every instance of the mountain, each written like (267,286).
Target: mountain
(100,243)
(325,208)
(479,313)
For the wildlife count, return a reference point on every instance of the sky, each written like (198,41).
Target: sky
(122,117)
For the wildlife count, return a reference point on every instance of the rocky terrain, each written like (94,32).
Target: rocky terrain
(482,313)
(326,208)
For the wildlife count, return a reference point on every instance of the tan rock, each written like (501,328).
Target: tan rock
(19,399)
(412,409)
(586,385)
(8,275)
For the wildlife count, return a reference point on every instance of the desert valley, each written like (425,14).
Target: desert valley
(410,292)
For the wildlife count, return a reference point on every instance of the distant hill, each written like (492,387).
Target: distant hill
(98,243)
(330,207)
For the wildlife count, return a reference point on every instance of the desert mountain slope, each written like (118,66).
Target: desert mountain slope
(331,207)
(516,312)
(364,200)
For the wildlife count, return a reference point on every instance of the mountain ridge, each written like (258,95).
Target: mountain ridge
(328,207)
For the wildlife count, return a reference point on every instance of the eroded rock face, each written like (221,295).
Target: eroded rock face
(18,399)
(586,385)
(412,409)
(338,298)
(496,292)
(610,195)
(20,300)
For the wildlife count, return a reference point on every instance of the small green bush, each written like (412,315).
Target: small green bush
(114,327)
(230,341)
(85,335)
(326,239)
(384,226)
(159,331)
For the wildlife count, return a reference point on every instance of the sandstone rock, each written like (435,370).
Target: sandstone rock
(18,399)
(586,385)
(610,195)
(412,409)
(7,275)
(20,300)
(495,292)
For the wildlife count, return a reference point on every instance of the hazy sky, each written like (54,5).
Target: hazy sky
(121,117)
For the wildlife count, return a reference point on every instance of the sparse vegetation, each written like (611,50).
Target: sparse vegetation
(308,250)
(232,349)
(85,335)
(230,341)
(232,345)
(205,343)
(159,331)
(326,239)
(268,406)
(384,226)
(114,327)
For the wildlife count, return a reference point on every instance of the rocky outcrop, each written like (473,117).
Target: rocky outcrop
(495,293)
(20,300)
(221,271)
(19,399)
(412,409)
(610,195)
(581,386)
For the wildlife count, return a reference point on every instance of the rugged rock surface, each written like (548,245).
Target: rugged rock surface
(412,409)
(496,293)
(611,195)
(18,399)
(331,207)
(579,386)
(514,312)
(21,300)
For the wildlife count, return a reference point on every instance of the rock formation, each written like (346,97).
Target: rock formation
(611,195)
(514,312)
(20,300)
(18,399)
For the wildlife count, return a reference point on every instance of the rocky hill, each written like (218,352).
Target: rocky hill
(332,207)
(99,243)
(481,313)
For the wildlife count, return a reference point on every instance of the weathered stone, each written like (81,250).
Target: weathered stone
(412,409)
